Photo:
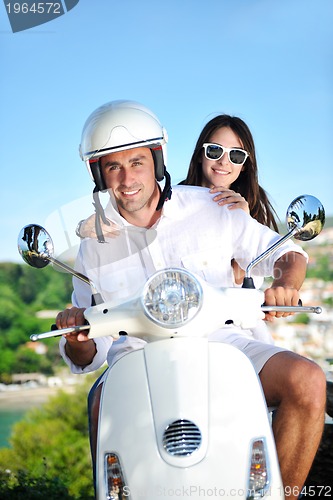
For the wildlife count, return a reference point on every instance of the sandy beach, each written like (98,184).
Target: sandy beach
(26,397)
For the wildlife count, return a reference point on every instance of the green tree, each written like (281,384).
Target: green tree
(30,282)
(56,292)
(328,301)
(23,291)
(322,268)
(51,444)
(10,306)
(7,361)
(301,318)
(26,361)
(26,487)
(22,326)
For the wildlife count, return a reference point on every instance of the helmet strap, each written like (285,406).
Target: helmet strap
(96,172)
(167,190)
(100,215)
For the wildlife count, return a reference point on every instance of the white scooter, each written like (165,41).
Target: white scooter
(183,417)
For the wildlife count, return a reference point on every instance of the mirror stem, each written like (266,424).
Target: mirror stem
(248,281)
(96,297)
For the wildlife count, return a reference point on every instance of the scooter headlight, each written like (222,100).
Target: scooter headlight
(172,297)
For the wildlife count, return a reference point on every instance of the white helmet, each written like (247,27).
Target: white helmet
(117,126)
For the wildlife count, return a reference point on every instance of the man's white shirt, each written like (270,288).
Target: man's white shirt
(193,232)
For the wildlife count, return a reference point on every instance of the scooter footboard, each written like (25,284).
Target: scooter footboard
(180,416)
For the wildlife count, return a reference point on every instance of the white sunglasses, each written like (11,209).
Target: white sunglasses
(236,156)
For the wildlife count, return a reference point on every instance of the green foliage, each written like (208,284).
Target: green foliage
(7,361)
(301,318)
(25,487)
(328,301)
(23,291)
(322,268)
(26,361)
(56,292)
(50,449)
(10,305)
(29,283)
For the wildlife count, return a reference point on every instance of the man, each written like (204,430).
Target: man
(123,145)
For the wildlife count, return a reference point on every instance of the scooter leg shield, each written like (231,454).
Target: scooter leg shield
(181,416)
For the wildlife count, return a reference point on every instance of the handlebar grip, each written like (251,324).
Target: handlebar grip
(292,309)
(300,303)
(56,332)
(54,326)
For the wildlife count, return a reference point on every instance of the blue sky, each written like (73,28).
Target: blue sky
(267,61)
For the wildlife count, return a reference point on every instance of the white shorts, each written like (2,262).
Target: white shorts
(257,352)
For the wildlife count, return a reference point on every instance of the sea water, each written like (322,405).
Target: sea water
(8,417)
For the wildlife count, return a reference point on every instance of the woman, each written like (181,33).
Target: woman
(224,160)
(233,173)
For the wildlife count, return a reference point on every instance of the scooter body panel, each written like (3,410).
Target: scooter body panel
(210,384)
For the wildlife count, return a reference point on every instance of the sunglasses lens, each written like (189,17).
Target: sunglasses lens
(214,152)
(237,156)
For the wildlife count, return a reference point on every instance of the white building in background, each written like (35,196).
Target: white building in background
(315,339)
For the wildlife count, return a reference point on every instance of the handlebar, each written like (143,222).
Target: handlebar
(76,329)
(57,333)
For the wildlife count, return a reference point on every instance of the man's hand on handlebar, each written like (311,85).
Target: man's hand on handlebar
(280,296)
(69,318)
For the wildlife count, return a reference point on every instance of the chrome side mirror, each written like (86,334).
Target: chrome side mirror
(305,216)
(305,219)
(35,246)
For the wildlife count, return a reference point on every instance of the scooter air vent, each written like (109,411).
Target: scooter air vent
(181,438)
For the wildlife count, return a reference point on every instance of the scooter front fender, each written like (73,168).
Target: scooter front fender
(209,384)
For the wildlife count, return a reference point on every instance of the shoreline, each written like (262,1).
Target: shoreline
(28,397)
